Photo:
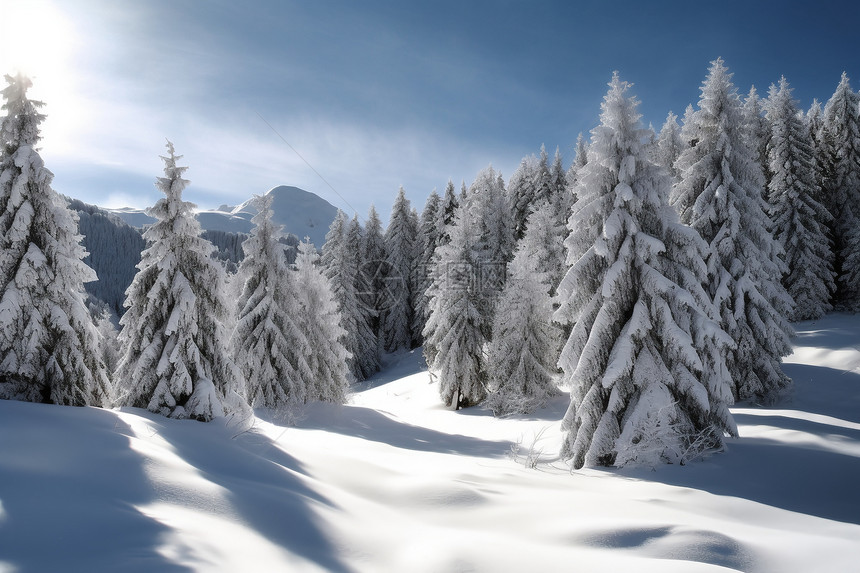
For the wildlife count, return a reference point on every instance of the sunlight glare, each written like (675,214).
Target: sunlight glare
(38,41)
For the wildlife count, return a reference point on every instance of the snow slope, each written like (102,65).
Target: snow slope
(394,482)
(301,212)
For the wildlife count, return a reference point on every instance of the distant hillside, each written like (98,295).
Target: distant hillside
(300,212)
(114,250)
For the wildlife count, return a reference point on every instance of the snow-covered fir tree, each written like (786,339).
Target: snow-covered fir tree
(320,322)
(562,200)
(456,330)
(755,127)
(425,247)
(580,159)
(267,343)
(341,268)
(373,268)
(447,213)
(49,343)
(799,219)
(366,293)
(544,239)
(840,142)
(543,183)
(395,330)
(669,146)
(522,355)
(521,193)
(490,216)
(720,195)
(814,121)
(174,340)
(644,359)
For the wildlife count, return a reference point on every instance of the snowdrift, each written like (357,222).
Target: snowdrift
(394,482)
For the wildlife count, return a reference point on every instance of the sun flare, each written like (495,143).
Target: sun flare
(36,38)
(38,41)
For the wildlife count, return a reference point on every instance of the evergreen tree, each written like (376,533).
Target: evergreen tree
(267,343)
(798,218)
(720,196)
(544,240)
(340,268)
(396,330)
(840,140)
(455,333)
(320,322)
(175,357)
(373,269)
(425,247)
(669,146)
(490,214)
(523,352)
(755,128)
(521,193)
(447,213)
(366,311)
(543,184)
(579,162)
(814,121)
(644,358)
(49,343)
(562,201)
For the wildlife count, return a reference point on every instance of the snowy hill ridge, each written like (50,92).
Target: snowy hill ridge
(393,481)
(301,212)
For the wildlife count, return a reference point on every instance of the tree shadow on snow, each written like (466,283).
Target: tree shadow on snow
(395,366)
(69,484)
(370,424)
(265,486)
(838,331)
(825,391)
(808,466)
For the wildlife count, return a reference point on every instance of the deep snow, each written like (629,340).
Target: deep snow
(394,482)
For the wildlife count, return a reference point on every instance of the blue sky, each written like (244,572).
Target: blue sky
(378,94)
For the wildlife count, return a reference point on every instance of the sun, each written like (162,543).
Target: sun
(36,38)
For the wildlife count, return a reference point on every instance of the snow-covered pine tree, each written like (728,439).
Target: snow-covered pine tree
(366,312)
(799,219)
(521,193)
(720,195)
(320,322)
(340,268)
(522,355)
(644,358)
(562,199)
(447,213)
(755,127)
(49,343)
(669,146)
(267,343)
(374,268)
(490,215)
(814,121)
(425,246)
(580,159)
(544,239)
(396,330)
(174,340)
(543,184)
(455,333)
(840,141)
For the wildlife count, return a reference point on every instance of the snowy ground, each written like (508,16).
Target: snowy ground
(393,482)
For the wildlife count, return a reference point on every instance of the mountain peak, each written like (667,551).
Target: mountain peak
(301,212)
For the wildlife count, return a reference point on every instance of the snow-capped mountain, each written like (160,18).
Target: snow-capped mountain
(301,212)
